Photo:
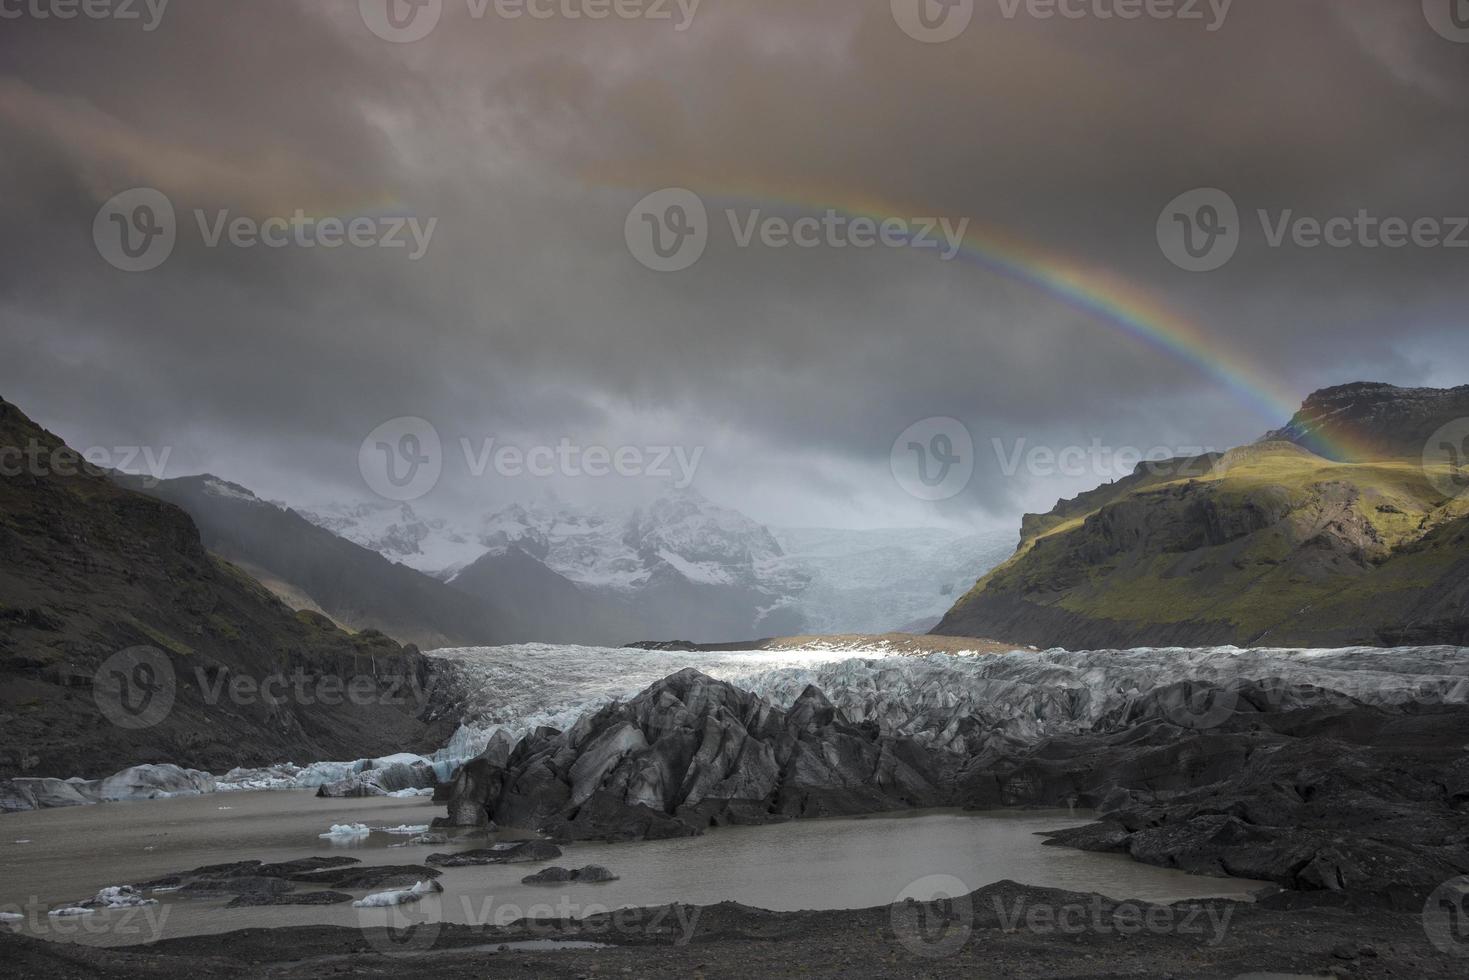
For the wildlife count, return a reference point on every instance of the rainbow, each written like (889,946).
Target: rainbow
(1104,297)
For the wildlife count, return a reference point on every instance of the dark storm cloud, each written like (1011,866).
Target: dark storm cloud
(528,319)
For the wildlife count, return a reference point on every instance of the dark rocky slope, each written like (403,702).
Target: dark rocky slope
(89,569)
(1268,545)
(1306,787)
(1366,421)
(356,587)
(547,606)
(688,753)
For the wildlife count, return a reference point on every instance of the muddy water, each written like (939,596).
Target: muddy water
(817,864)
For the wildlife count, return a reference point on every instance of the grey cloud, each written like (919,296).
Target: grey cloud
(529,141)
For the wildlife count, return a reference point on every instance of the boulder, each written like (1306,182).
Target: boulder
(591,874)
(519,852)
(688,753)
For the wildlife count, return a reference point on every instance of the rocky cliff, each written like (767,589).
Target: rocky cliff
(1271,544)
(1340,775)
(124,641)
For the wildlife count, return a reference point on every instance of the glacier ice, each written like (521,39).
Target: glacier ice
(1025,694)
(346,831)
(400,896)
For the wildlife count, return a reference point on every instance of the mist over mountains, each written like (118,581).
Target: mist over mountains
(682,567)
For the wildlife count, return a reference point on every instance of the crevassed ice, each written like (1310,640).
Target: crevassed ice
(1027,693)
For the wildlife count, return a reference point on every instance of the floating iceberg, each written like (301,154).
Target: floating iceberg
(400,897)
(112,897)
(346,831)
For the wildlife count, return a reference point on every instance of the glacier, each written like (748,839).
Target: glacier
(1024,694)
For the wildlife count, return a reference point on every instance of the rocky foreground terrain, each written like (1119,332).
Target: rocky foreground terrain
(1340,777)
(1003,931)
(1348,526)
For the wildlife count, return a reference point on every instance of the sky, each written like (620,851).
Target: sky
(175,172)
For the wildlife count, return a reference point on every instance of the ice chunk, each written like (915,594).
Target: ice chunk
(346,831)
(112,897)
(400,897)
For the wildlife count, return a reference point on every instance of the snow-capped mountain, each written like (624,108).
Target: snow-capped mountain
(682,567)
(701,541)
(397,532)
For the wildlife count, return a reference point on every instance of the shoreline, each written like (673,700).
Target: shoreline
(1002,930)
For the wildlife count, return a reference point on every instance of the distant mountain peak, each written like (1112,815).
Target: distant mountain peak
(1371,420)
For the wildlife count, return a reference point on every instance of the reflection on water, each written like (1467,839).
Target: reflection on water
(814,864)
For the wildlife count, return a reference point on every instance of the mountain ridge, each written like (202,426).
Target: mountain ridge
(90,569)
(1268,544)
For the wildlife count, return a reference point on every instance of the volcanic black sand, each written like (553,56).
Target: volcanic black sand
(1004,930)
